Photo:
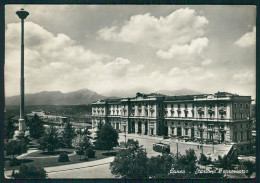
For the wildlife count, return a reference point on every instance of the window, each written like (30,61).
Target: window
(192,124)
(186,114)
(235,116)
(241,106)
(186,131)
(159,114)
(235,126)
(247,147)
(186,124)
(235,105)
(241,125)
(173,131)
(179,105)
(159,105)
(247,135)
(247,106)
(241,135)
(235,136)
(165,106)
(171,105)
(241,115)
(242,148)
(186,106)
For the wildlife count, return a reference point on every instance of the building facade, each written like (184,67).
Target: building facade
(209,118)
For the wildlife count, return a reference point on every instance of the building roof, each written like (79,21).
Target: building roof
(166,98)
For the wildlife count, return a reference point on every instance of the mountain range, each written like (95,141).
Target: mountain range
(84,96)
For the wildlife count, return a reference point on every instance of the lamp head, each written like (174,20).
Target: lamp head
(22,14)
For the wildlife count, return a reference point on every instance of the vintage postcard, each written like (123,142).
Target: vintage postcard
(130,91)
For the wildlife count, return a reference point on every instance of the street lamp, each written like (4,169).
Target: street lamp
(22,14)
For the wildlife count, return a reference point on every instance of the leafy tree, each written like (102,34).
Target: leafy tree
(15,147)
(107,137)
(36,128)
(250,167)
(50,140)
(130,162)
(204,160)
(68,134)
(9,129)
(30,172)
(187,163)
(84,147)
(226,162)
(160,166)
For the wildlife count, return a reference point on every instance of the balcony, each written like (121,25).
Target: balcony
(211,111)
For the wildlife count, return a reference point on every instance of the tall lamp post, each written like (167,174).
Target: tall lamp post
(22,14)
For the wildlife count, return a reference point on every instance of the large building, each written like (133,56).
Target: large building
(210,118)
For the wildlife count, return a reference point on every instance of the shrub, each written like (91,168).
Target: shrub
(63,157)
(90,152)
(30,172)
(14,162)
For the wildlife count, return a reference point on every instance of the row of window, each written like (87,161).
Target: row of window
(241,105)
(242,135)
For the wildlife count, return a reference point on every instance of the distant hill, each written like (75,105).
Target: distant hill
(178,92)
(79,97)
(85,96)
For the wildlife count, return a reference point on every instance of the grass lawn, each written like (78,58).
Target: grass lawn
(47,160)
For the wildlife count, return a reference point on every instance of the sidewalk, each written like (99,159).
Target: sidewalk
(55,169)
(76,166)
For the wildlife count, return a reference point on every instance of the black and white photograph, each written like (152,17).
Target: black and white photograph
(130,91)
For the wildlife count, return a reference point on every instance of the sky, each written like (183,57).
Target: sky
(120,47)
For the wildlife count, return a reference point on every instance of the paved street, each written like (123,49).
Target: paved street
(148,141)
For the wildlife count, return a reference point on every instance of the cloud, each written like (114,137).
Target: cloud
(206,62)
(245,77)
(194,48)
(56,62)
(248,39)
(179,27)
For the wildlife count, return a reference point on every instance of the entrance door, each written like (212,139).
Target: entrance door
(139,127)
(178,131)
(152,131)
(166,130)
(146,128)
(124,128)
(222,137)
(117,126)
(133,127)
(192,133)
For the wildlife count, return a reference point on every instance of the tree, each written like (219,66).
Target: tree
(160,166)
(15,147)
(226,162)
(9,129)
(130,162)
(30,172)
(250,167)
(50,140)
(204,160)
(84,147)
(107,138)
(36,128)
(186,163)
(68,134)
